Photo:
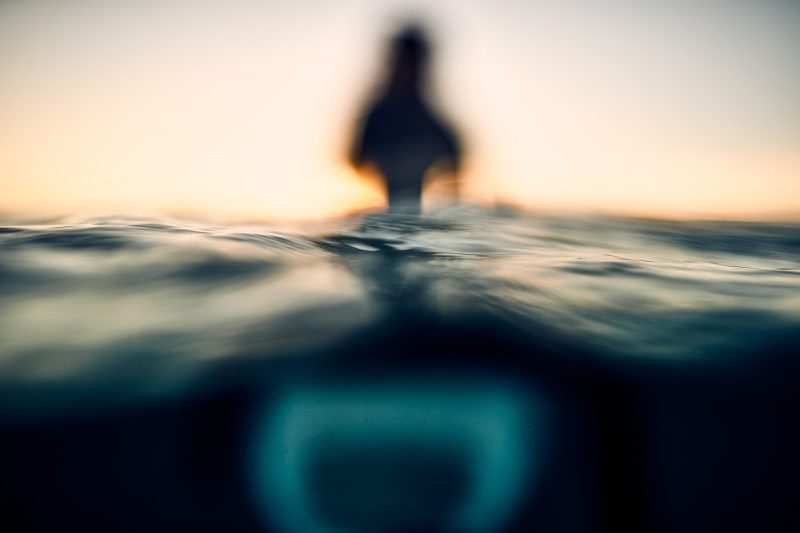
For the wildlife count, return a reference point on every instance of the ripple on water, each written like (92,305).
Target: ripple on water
(88,301)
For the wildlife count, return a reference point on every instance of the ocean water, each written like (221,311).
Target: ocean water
(152,305)
(105,316)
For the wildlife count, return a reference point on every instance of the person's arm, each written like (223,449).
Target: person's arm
(361,148)
(356,155)
(450,163)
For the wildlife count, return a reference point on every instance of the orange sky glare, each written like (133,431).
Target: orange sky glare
(244,109)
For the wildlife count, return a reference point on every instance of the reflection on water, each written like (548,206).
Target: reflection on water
(371,350)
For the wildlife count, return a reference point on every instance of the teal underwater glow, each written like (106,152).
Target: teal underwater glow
(398,455)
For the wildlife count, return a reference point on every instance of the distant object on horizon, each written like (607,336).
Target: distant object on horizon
(400,135)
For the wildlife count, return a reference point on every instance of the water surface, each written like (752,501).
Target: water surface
(106,311)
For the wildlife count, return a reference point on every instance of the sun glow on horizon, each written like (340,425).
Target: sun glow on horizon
(244,109)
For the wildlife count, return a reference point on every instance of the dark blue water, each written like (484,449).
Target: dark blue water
(151,305)
(108,316)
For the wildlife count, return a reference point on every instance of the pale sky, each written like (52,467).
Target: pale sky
(243,108)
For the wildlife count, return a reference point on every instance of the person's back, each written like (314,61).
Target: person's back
(401,134)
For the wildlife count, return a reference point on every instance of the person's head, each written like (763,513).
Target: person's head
(408,56)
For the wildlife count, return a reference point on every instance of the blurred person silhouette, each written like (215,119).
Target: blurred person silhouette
(400,135)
